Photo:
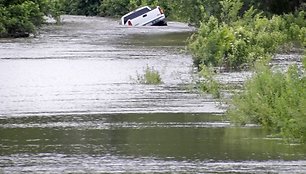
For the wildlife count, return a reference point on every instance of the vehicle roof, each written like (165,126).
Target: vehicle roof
(136,10)
(133,14)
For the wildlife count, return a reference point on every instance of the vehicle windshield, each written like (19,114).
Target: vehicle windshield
(136,14)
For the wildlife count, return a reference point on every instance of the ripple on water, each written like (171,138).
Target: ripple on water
(86,66)
(61,163)
(69,104)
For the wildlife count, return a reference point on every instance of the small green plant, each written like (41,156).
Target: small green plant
(208,84)
(150,76)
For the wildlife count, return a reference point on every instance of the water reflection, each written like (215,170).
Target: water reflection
(177,136)
(183,140)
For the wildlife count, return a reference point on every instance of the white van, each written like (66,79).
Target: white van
(145,16)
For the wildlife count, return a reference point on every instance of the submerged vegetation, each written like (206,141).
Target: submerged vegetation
(209,84)
(238,42)
(150,76)
(275,100)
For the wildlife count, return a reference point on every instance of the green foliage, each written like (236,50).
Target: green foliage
(279,6)
(237,42)
(114,7)
(274,100)
(230,10)
(150,76)
(55,9)
(208,84)
(191,11)
(81,7)
(19,18)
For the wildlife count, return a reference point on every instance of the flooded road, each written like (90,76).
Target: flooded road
(88,66)
(69,103)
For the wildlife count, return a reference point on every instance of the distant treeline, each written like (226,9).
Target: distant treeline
(191,10)
(21,17)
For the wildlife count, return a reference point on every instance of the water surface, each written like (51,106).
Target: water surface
(69,103)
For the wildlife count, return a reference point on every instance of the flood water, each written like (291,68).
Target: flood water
(69,103)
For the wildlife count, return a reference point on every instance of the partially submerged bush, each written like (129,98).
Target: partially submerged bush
(237,42)
(274,100)
(150,76)
(208,83)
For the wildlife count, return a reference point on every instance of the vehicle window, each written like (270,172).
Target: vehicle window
(136,14)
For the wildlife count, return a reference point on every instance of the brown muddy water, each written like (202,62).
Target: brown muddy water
(69,104)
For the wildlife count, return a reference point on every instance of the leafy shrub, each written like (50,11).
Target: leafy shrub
(114,7)
(81,7)
(274,100)
(150,76)
(20,18)
(237,42)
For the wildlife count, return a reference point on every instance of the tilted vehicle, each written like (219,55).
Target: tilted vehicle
(145,16)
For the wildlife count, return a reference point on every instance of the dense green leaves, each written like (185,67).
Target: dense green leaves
(235,41)
(274,100)
(81,7)
(191,11)
(19,18)
(114,7)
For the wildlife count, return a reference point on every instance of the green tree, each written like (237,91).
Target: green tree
(115,7)
(280,6)
(19,18)
(81,7)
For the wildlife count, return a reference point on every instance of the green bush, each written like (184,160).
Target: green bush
(150,76)
(274,100)
(20,18)
(114,7)
(236,42)
(81,7)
